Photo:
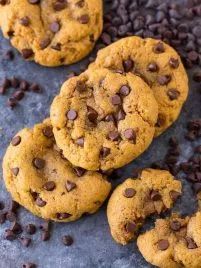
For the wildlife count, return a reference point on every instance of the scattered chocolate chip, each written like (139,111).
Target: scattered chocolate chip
(173,94)
(59,5)
(67,240)
(45,43)
(9,55)
(14,206)
(16,228)
(72,114)
(40,202)
(15,171)
(11,216)
(9,235)
(16,140)
(124,90)
(70,186)
(130,134)
(80,142)
(152,67)
(63,216)
(35,87)
(14,82)
(49,186)
(174,195)
(92,115)
(129,192)
(25,241)
(159,48)
(45,235)
(84,19)
(33,2)
(30,229)
(164,79)
(1,205)
(27,53)
(155,195)
(163,244)
(174,63)
(116,100)
(38,163)
(190,243)
(29,265)
(175,225)
(81,86)
(57,47)
(11,102)
(128,65)
(109,118)
(130,227)
(25,21)
(55,26)
(114,135)
(2,218)
(47,132)
(79,171)
(120,115)
(105,152)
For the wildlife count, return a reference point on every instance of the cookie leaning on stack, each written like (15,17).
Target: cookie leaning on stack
(158,64)
(50,32)
(43,181)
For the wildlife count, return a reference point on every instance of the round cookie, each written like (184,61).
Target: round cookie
(52,33)
(134,200)
(103,119)
(40,179)
(174,242)
(158,64)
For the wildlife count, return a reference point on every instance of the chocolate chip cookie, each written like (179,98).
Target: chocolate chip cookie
(43,181)
(175,242)
(104,119)
(158,64)
(154,191)
(50,32)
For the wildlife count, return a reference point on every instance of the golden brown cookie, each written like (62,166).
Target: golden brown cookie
(40,179)
(103,119)
(52,32)
(158,64)
(134,200)
(174,242)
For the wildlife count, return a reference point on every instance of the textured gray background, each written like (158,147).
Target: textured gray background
(93,246)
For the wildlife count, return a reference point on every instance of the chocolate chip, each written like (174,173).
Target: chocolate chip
(14,206)
(80,3)
(24,85)
(190,243)
(11,102)
(18,95)
(129,192)
(49,186)
(9,55)
(72,114)
(70,186)
(128,65)
(55,26)
(114,135)
(15,82)
(84,19)
(9,235)
(124,90)
(45,43)
(174,63)
(81,86)
(109,118)
(45,226)
(45,235)
(173,94)
(164,79)
(40,202)
(25,241)
(92,115)
(25,21)
(104,152)
(63,216)
(1,205)
(152,67)
(155,195)
(79,171)
(59,5)
(130,134)
(30,229)
(163,244)
(174,195)
(159,48)
(16,140)
(57,47)
(175,225)
(16,228)
(27,53)
(38,163)
(47,132)
(80,142)
(15,171)
(67,240)
(130,227)
(116,100)
(35,87)
(34,2)
(120,115)
(2,218)
(29,265)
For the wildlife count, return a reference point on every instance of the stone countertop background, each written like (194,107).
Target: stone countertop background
(93,245)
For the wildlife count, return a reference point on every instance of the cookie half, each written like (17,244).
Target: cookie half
(104,119)
(154,191)
(43,181)
(52,33)
(158,64)
(174,242)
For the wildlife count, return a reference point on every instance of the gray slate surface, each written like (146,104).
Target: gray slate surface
(93,245)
